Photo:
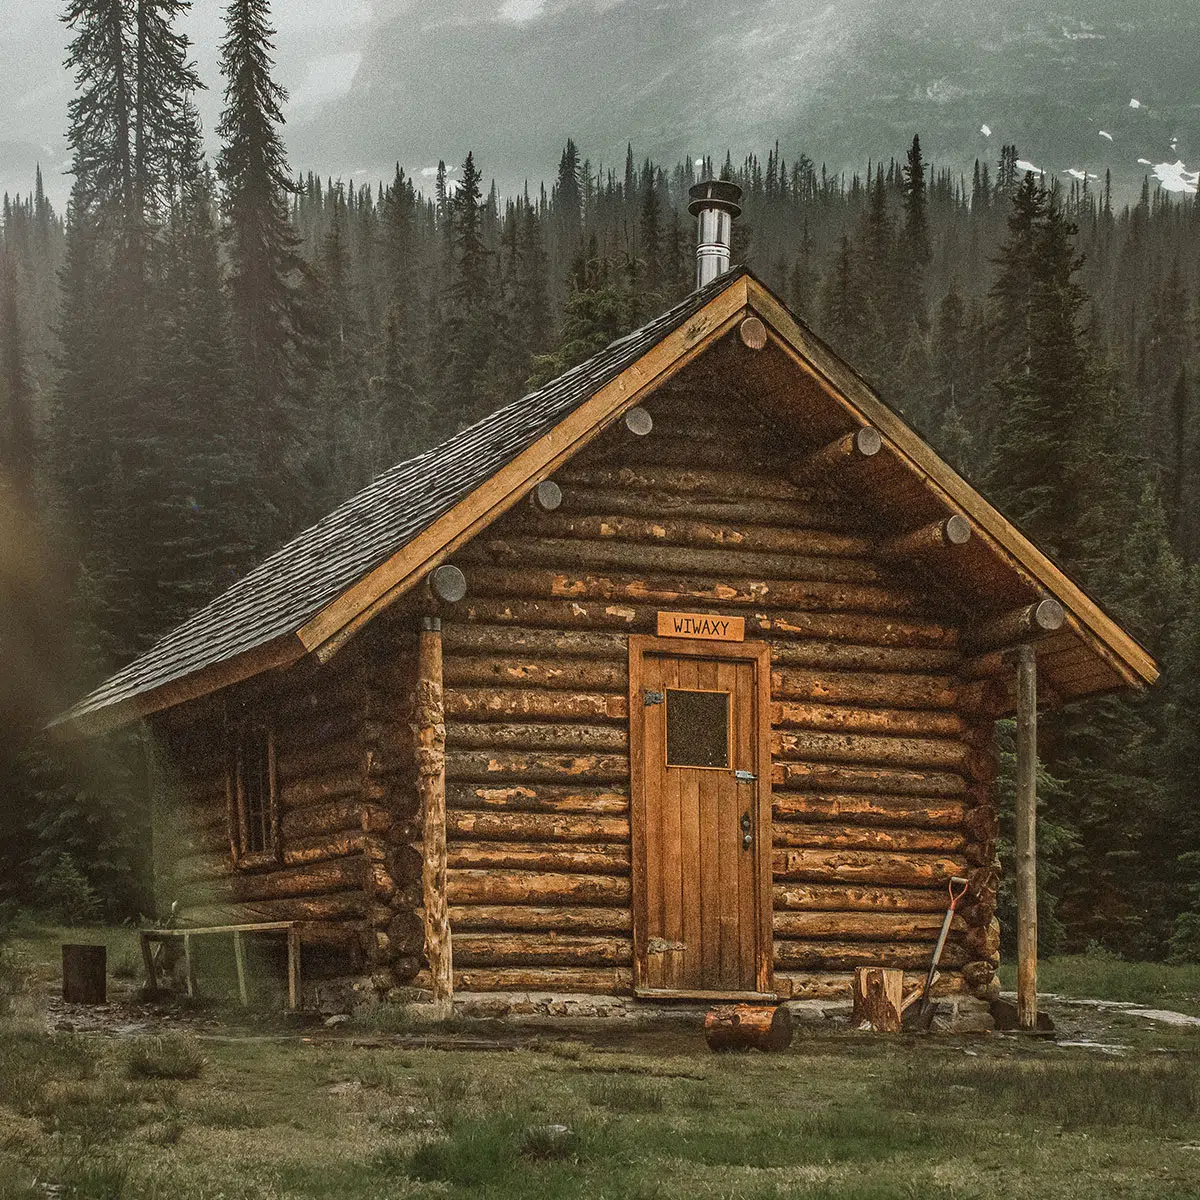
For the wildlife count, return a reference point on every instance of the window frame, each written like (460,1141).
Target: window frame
(729,722)
(238,735)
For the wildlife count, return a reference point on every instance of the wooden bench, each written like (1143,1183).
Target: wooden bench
(239,953)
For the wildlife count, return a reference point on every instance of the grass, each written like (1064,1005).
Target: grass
(177,1057)
(1106,977)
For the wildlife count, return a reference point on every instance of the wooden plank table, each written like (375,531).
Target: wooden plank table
(239,953)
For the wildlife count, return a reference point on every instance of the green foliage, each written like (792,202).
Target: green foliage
(63,893)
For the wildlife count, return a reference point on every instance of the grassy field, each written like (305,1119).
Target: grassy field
(652,1115)
(1102,977)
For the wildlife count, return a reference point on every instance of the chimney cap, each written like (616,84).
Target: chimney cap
(715,193)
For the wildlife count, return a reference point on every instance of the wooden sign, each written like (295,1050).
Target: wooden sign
(702,625)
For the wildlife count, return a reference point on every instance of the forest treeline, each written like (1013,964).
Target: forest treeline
(199,358)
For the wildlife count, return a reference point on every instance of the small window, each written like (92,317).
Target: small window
(698,729)
(255,807)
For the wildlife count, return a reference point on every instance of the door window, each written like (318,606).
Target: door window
(698,729)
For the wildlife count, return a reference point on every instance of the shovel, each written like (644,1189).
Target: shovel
(925,1013)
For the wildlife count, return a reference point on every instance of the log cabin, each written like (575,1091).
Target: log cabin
(675,678)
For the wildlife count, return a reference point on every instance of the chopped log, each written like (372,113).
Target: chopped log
(842,898)
(942,754)
(603,981)
(536,827)
(497,704)
(688,590)
(817,776)
(504,670)
(1019,625)
(846,956)
(504,735)
(478,765)
(865,866)
(478,886)
(703,535)
(788,714)
(429,730)
(497,949)
(878,999)
(552,920)
(865,926)
(749,1027)
(948,841)
(892,690)
(940,536)
(544,798)
(874,810)
(84,974)
(591,859)
(851,449)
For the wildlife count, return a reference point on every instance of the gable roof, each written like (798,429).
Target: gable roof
(316,591)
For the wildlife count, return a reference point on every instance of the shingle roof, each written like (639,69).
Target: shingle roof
(298,580)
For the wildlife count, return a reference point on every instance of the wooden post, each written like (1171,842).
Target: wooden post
(84,974)
(295,995)
(239,959)
(431,785)
(148,960)
(187,965)
(1027,1007)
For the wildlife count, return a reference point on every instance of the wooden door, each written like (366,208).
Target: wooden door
(701,817)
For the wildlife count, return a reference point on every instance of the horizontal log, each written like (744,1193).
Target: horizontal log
(690,482)
(657,503)
(478,765)
(300,793)
(867,926)
(304,759)
(537,887)
(852,837)
(459,639)
(846,956)
(548,704)
(1018,625)
(543,798)
(789,714)
(837,985)
(810,746)
(748,1026)
(866,866)
(858,447)
(540,949)
(332,816)
(933,539)
(335,906)
(685,530)
(842,777)
(589,859)
(592,919)
(892,689)
(596,981)
(536,827)
(853,808)
(534,736)
(862,628)
(336,875)
(321,847)
(689,590)
(503,670)
(842,656)
(825,897)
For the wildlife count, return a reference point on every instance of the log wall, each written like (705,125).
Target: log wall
(881,772)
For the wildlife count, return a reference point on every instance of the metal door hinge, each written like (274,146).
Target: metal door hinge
(653,697)
(657,945)
(743,776)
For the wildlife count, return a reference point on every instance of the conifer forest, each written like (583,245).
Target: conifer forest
(202,355)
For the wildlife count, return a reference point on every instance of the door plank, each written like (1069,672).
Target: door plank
(746,759)
(729,837)
(653,751)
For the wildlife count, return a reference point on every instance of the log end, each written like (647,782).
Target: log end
(765,1027)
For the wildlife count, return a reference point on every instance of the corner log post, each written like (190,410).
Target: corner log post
(1026,849)
(429,727)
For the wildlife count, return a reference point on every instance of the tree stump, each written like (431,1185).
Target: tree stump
(85,974)
(879,1000)
(748,1027)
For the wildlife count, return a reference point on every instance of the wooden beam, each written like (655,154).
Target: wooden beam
(939,536)
(1019,625)
(1026,850)
(429,728)
(857,447)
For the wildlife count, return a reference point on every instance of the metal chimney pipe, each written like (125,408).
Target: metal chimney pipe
(716,202)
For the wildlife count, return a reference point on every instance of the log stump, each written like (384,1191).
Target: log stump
(748,1027)
(878,999)
(85,974)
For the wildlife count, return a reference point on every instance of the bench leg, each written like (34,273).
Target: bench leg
(187,965)
(293,938)
(239,956)
(148,960)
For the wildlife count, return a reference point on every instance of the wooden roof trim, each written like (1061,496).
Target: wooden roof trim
(1113,644)
(282,651)
(326,632)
